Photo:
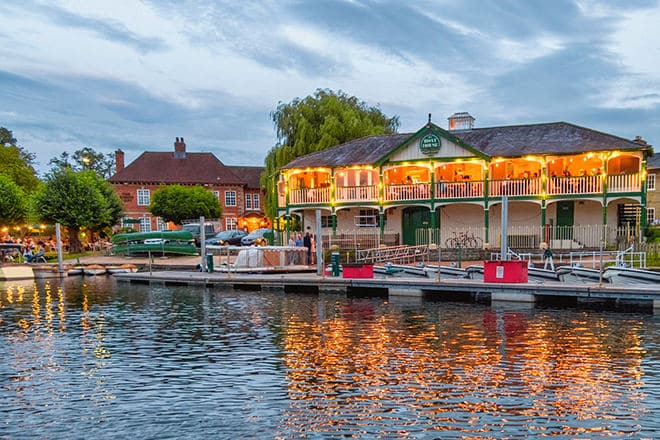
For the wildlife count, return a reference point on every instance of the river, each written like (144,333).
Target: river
(94,358)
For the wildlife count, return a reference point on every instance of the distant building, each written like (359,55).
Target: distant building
(236,187)
(652,190)
(566,185)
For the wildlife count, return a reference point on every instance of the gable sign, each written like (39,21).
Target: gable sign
(430,144)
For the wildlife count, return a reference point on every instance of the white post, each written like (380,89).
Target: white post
(202,241)
(58,247)
(504,248)
(319,251)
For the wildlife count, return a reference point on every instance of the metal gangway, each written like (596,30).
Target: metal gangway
(394,254)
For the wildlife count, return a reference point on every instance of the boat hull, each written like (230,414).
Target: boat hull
(629,275)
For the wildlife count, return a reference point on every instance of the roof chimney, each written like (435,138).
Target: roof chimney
(461,121)
(119,160)
(179,149)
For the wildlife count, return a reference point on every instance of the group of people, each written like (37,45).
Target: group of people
(298,240)
(30,250)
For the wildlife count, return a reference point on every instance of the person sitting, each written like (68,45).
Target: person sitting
(39,256)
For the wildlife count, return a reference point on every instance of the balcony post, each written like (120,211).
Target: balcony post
(486,224)
(642,182)
(332,187)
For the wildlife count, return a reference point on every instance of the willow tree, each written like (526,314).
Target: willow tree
(76,200)
(317,122)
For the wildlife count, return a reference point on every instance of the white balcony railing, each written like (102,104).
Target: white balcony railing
(575,185)
(623,183)
(308,196)
(356,193)
(467,189)
(415,191)
(514,187)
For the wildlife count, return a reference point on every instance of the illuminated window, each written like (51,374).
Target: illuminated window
(650,182)
(230,198)
(143,197)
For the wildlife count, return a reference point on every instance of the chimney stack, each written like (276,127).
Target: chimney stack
(179,148)
(119,160)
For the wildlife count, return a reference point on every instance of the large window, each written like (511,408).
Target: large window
(650,216)
(230,198)
(255,202)
(248,202)
(145,224)
(161,225)
(143,197)
(231,224)
(326,221)
(650,182)
(252,202)
(216,194)
(367,217)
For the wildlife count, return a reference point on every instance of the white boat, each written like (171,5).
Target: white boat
(75,270)
(450,272)
(94,269)
(630,275)
(578,274)
(48,271)
(124,268)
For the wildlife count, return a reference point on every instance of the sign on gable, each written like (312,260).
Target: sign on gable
(430,144)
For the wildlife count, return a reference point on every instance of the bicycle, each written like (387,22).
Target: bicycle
(464,239)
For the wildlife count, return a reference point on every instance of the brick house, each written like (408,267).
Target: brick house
(652,190)
(237,187)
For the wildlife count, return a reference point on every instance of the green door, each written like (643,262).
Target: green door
(414,219)
(564,228)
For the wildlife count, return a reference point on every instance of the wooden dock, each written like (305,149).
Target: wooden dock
(530,293)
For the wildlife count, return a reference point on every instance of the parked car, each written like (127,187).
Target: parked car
(256,238)
(227,238)
(209,231)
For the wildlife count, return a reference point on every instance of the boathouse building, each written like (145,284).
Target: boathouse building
(566,185)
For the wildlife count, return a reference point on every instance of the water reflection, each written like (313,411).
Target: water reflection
(91,358)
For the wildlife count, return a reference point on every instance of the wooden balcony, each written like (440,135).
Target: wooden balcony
(452,190)
(406,192)
(556,186)
(344,194)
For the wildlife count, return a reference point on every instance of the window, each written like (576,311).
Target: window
(231,224)
(161,225)
(650,216)
(255,202)
(230,198)
(650,182)
(145,224)
(326,221)
(143,197)
(367,217)
(216,194)
(248,202)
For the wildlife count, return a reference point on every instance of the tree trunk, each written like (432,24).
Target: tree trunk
(74,241)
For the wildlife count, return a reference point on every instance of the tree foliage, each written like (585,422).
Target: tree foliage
(85,159)
(75,200)
(317,122)
(175,203)
(13,202)
(17,163)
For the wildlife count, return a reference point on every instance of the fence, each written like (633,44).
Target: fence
(530,237)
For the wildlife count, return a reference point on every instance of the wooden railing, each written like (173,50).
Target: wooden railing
(623,183)
(467,189)
(356,193)
(515,187)
(309,196)
(575,185)
(415,191)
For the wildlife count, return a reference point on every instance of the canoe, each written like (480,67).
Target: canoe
(94,269)
(124,268)
(75,270)
(157,242)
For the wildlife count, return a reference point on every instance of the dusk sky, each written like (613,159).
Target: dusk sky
(135,75)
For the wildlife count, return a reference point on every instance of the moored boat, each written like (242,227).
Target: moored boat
(75,270)
(48,271)
(578,274)
(446,272)
(123,268)
(630,275)
(94,269)
(163,242)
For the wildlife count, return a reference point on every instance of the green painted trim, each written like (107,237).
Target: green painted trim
(543,207)
(602,232)
(486,225)
(428,129)
(381,220)
(643,221)
(334,224)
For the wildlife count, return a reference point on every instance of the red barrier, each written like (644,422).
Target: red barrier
(506,272)
(358,271)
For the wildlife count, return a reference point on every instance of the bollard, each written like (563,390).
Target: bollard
(334,260)
(209,262)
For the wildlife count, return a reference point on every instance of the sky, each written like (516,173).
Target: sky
(136,74)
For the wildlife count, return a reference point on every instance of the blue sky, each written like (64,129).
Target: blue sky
(135,75)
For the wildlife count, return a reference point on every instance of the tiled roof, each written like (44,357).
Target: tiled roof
(548,138)
(163,167)
(508,141)
(653,161)
(250,175)
(361,151)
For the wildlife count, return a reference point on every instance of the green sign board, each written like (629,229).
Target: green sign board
(430,144)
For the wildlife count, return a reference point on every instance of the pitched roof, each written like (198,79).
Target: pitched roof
(509,141)
(653,162)
(250,175)
(361,151)
(546,138)
(163,167)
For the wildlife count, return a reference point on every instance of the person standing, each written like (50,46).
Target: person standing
(307,242)
(547,257)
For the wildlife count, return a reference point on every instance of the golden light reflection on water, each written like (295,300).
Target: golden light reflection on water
(365,365)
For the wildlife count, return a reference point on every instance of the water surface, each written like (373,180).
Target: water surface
(99,359)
